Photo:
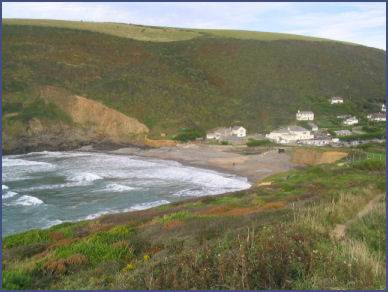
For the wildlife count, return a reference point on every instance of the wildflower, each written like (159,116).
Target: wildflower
(130,267)
(146,257)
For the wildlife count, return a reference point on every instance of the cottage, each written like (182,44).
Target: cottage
(336,100)
(304,116)
(313,127)
(351,121)
(225,133)
(377,117)
(383,108)
(239,131)
(218,133)
(290,134)
(342,133)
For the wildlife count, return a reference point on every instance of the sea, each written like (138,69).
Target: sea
(42,189)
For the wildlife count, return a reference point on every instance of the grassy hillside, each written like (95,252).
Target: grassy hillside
(155,33)
(278,235)
(173,78)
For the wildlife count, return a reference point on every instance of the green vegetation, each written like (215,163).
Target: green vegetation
(185,134)
(184,78)
(371,229)
(277,235)
(158,34)
(254,143)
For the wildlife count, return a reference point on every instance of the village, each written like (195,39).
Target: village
(308,134)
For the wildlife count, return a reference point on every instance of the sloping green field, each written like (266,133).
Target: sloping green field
(158,34)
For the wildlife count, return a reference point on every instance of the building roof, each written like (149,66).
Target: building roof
(237,127)
(336,98)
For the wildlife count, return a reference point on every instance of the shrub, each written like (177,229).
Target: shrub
(255,143)
(26,238)
(186,135)
(16,280)
(370,165)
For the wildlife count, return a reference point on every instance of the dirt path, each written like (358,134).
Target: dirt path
(340,229)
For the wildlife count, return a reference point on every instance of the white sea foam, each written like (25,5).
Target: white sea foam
(8,194)
(4,187)
(27,201)
(118,188)
(96,176)
(85,177)
(51,223)
(98,214)
(8,162)
(137,207)
(148,205)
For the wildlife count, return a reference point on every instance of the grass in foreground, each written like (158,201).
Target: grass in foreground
(273,236)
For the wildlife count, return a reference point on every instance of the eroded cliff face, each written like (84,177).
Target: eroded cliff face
(314,156)
(91,123)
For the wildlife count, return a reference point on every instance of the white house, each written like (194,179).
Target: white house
(290,134)
(225,133)
(304,116)
(239,131)
(351,121)
(336,100)
(383,108)
(343,133)
(377,117)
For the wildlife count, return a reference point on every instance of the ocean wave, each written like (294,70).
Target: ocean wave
(147,205)
(118,188)
(137,207)
(8,194)
(26,201)
(51,223)
(4,187)
(85,177)
(98,214)
(10,162)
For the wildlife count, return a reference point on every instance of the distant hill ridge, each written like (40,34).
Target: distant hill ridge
(159,34)
(169,78)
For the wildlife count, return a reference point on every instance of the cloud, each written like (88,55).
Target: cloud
(362,23)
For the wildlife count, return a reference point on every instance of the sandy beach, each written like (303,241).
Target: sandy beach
(226,158)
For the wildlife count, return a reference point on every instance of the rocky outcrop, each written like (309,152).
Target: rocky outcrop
(92,123)
(102,120)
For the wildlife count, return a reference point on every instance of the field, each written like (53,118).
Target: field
(280,234)
(158,34)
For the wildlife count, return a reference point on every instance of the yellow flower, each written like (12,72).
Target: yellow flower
(146,257)
(130,267)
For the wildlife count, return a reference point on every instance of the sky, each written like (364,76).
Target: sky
(359,22)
